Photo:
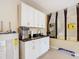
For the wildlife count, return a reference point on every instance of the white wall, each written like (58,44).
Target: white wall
(8,13)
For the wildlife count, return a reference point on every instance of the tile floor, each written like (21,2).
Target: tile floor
(55,54)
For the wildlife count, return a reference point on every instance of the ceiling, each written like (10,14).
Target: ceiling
(48,6)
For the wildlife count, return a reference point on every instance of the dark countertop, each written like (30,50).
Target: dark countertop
(7,32)
(27,39)
(35,38)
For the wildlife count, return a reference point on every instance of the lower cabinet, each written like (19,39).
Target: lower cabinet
(44,44)
(34,48)
(9,46)
(27,50)
(37,47)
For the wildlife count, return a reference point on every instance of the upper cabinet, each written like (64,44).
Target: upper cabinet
(36,17)
(26,15)
(31,17)
(40,19)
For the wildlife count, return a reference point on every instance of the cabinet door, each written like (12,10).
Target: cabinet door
(44,45)
(15,44)
(12,46)
(27,50)
(37,47)
(31,17)
(41,20)
(30,50)
(37,18)
(35,21)
(24,15)
(46,42)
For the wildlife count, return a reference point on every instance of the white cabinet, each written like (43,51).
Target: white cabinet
(37,47)
(40,19)
(26,15)
(34,48)
(43,20)
(36,18)
(72,19)
(31,17)
(9,46)
(44,44)
(27,50)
